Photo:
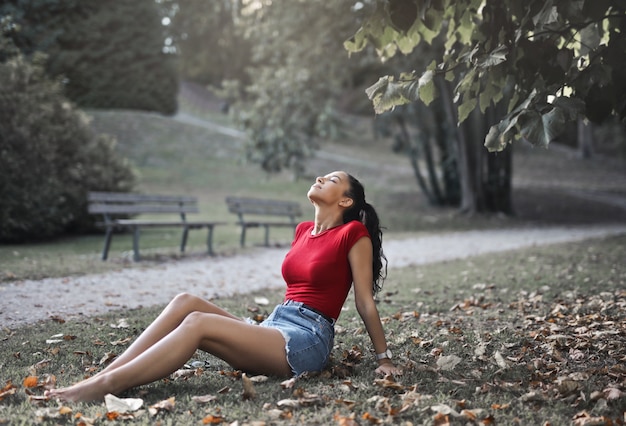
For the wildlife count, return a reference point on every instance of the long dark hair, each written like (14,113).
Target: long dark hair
(366,214)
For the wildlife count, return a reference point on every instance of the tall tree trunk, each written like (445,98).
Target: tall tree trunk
(585,138)
(468,201)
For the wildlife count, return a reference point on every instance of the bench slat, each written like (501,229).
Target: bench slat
(132,198)
(141,208)
(242,206)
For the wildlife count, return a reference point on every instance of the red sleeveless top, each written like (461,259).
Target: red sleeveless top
(316,269)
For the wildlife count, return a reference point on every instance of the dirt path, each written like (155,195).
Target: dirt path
(26,302)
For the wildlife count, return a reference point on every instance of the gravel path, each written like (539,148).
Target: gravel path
(26,302)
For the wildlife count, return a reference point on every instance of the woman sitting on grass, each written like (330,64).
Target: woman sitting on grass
(343,245)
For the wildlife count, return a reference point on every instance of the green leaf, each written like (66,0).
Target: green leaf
(495,57)
(494,141)
(426,87)
(541,129)
(386,94)
(357,42)
(466,108)
(547,15)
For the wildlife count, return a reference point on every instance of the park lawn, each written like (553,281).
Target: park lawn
(529,337)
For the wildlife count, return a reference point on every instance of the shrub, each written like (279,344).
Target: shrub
(49,157)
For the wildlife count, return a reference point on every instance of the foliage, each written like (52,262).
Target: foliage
(206,40)
(105,57)
(49,158)
(289,102)
(550,60)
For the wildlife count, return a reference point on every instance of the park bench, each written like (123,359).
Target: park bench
(263,214)
(116,207)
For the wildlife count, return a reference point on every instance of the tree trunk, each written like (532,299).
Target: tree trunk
(585,139)
(468,200)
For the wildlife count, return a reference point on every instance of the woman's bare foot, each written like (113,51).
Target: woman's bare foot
(93,389)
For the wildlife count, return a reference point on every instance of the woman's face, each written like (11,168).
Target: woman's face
(330,189)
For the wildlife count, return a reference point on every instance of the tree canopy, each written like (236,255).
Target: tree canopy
(550,60)
(107,54)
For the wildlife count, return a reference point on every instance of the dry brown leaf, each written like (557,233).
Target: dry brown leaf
(249,392)
(388,383)
(568,387)
(63,410)
(212,420)
(288,403)
(441,420)
(185,373)
(444,409)
(107,358)
(8,389)
(30,382)
(585,419)
(203,399)
(612,394)
(448,362)
(121,341)
(346,421)
(121,323)
(288,384)
(161,406)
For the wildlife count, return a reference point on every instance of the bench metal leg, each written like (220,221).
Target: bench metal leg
(107,242)
(183,243)
(136,256)
(267,235)
(242,241)
(209,240)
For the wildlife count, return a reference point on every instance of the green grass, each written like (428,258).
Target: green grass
(554,314)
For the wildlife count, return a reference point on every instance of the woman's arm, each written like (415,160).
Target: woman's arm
(360,258)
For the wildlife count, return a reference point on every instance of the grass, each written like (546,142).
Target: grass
(535,336)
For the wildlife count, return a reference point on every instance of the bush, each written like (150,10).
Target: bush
(49,157)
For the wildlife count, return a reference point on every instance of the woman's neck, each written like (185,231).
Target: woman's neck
(325,221)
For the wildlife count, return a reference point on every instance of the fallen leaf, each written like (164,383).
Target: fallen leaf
(107,358)
(63,410)
(288,384)
(122,405)
(500,360)
(30,382)
(121,323)
(611,394)
(165,405)
(388,383)
(448,362)
(212,420)
(8,389)
(249,392)
(203,399)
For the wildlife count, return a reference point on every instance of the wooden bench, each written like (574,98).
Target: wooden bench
(262,211)
(113,205)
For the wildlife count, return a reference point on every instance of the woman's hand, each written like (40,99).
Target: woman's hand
(385,367)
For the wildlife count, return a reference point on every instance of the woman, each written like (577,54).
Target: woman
(341,247)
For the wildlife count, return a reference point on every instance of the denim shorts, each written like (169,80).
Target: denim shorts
(309,337)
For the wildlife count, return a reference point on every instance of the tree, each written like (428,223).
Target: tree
(49,157)
(109,54)
(205,36)
(294,84)
(528,67)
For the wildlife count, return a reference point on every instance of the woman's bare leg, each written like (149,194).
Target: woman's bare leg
(170,318)
(242,345)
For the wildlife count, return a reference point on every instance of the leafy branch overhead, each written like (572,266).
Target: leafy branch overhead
(551,61)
